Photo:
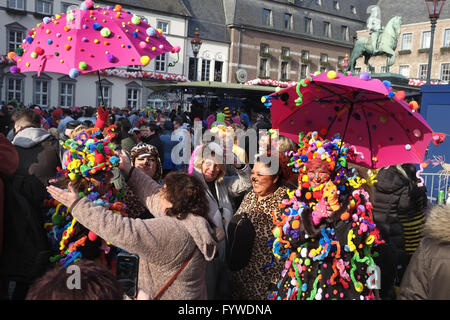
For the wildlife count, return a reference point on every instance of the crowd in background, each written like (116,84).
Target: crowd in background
(147,138)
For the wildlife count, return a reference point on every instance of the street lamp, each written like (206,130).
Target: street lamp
(434,8)
(196,43)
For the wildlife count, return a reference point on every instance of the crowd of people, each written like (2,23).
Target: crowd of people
(103,181)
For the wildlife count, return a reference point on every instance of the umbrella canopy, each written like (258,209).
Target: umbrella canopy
(89,39)
(365,112)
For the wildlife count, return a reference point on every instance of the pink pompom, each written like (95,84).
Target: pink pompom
(176,49)
(88,3)
(92,236)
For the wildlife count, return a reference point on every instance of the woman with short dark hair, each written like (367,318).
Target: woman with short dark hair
(181,233)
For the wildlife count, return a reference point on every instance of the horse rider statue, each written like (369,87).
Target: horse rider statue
(374,27)
(381,41)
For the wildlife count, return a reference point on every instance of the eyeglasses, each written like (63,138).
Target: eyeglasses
(322,175)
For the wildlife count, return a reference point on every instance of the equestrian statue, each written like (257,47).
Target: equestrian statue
(381,41)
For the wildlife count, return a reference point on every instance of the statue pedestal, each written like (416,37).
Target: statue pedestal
(398,81)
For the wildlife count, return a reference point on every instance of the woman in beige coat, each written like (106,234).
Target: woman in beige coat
(181,227)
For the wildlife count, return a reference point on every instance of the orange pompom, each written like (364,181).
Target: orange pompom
(400,95)
(308,195)
(295,224)
(345,216)
(11,55)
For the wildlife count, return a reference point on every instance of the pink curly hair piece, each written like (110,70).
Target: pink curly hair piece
(192,160)
(210,120)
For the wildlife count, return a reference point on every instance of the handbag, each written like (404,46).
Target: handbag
(241,236)
(171,280)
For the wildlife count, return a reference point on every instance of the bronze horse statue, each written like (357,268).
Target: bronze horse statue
(386,45)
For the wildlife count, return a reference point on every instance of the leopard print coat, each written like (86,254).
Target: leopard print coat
(135,209)
(252,282)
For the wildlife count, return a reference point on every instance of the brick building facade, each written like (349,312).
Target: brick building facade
(288,39)
(414,42)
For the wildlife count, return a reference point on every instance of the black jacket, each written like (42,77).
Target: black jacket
(397,199)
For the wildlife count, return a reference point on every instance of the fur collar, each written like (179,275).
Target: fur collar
(437,224)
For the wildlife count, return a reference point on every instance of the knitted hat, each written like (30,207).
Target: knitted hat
(57,113)
(227,113)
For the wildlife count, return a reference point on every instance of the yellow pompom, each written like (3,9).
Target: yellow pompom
(145,60)
(332,75)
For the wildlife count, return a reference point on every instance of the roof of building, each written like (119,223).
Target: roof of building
(249,14)
(209,18)
(417,11)
(172,7)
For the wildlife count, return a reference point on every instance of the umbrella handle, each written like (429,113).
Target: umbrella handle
(100,87)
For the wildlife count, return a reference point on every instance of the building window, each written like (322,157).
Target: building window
(308,25)
(107,93)
(41,92)
(65,6)
(344,33)
(336,5)
(322,69)
(67,94)
(406,41)
(14,89)
(288,21)
(353,9)
(319,2)
(160,63)
(423,70)
(340,62)
(326,29)
(383,69)
(426,38)
(357,70)
(267,17)
(303,71)
(133,95)
(264,49)
(205,69)
(263,63)
(445,72)
(404,70)
(323,58)
(16,4)
(218,66)
(447,38)
(305,55)
(44,7)
(285,52)
(284,70)
(15,38)
(192,65)
(163,25)
(134,67)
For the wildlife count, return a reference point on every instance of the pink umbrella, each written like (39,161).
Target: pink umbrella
(366,113)
(89,39)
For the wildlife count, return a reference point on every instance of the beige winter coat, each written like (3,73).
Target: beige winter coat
(163,244)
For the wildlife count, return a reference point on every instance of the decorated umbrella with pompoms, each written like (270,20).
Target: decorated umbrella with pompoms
(88,39)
